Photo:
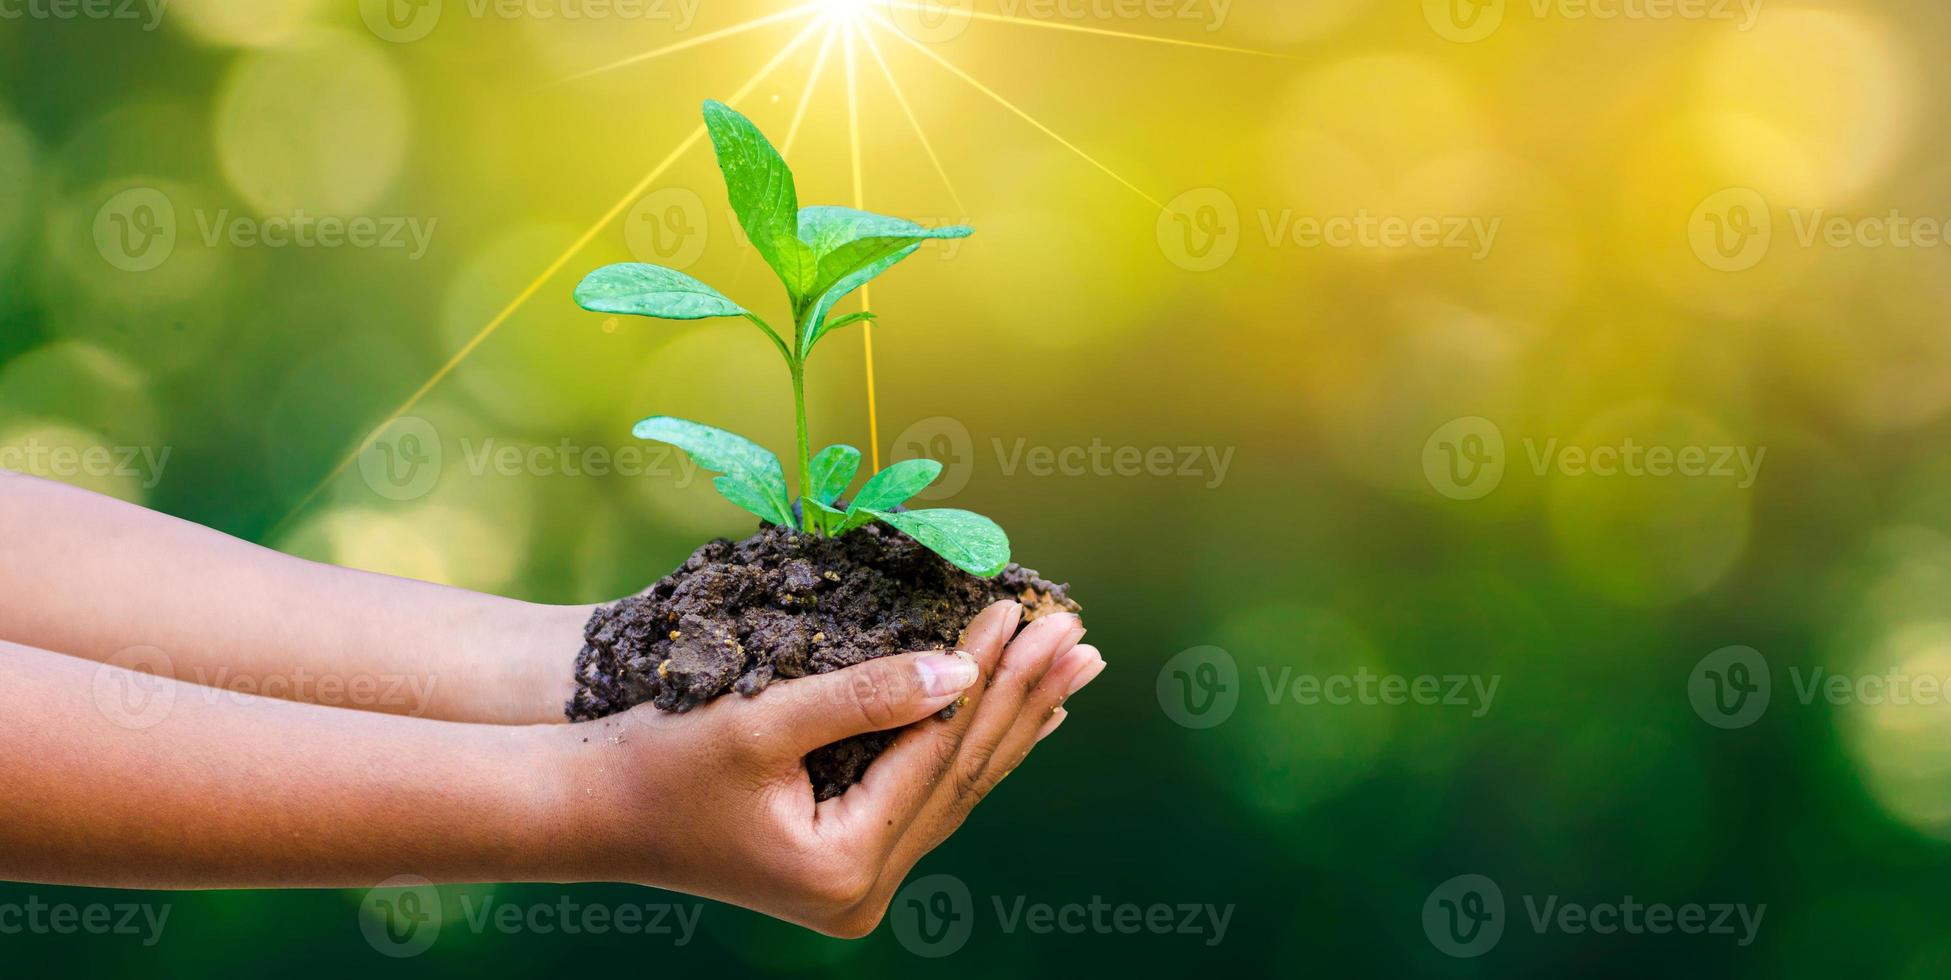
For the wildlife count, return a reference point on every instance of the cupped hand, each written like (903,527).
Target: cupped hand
(717,802)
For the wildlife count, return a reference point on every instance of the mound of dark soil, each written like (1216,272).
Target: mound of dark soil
(782,604)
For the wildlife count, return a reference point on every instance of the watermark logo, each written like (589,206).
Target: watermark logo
(149,12)
(1464,21)
(401,917)
(944,440)
(134,687)
(1730,687)
(1469,21)
(1199,688)
(1464,916)
(35,917)
(1199,231)
(1733,686)
(402,459)
(1734,229)
(400,21)
(931,21)
(934,916)
(1731,230)
(143,465)
(135,230)
(1464,459)
(667,227)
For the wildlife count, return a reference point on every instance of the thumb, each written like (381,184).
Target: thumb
(885,693)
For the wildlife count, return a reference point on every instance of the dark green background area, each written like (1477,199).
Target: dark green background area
(1069,320)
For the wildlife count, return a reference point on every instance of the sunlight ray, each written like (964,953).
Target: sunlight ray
(901,98)
(689,43)
(541,280)
(860,201)
(1102,32)
(1011,106)
(806,97)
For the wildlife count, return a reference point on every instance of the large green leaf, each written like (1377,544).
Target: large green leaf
(763,197)
(833,469)
(753,478)
(968,540)
(636,289)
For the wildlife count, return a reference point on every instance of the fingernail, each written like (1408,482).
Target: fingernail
(1072,638)
(1056,718)
(943,674)
(1085,676)
(1006,624)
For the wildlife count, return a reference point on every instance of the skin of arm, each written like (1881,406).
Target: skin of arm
(91,576)
(221,790)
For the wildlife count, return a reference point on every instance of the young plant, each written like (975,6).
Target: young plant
(821,254)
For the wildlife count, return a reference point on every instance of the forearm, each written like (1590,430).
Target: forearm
(217,790)
(91,576)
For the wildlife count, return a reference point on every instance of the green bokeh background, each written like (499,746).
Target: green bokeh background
(1081,316)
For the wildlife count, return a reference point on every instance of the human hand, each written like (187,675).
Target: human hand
(717,802)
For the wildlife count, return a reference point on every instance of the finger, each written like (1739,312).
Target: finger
(1044,711)
(1043,643)
(1071,670)
(808,712)
(1056,720)
(1024,666)
(901,779)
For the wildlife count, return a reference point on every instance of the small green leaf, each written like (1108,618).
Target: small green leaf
(968,540)
(819,327)
(895,485)
(833,470)
(852,247)
(753,478)
(837,323)
(761,188)
(636,289)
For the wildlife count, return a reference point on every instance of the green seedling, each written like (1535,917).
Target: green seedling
(821,254)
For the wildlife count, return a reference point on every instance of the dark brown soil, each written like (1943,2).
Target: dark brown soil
(779,605)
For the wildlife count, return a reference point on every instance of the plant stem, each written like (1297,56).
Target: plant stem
(808,520)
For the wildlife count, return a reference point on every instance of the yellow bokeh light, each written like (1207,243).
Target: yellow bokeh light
(319,125)
(1899,731)
(254,23)
(1812,105)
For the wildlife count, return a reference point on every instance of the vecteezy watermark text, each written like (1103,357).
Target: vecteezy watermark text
(149,12)
(1200,688)
(36,917)
(1201,230)
(405,21)
(1465,459)
(1466,917)
(404,917)
(934,916)
(64,462)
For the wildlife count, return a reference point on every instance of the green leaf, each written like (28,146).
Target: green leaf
(636,289)
(761,188)
(753,478)
(968,540)
(828,326)
(852,247)
(895,485)
(833,470)
(819,326)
